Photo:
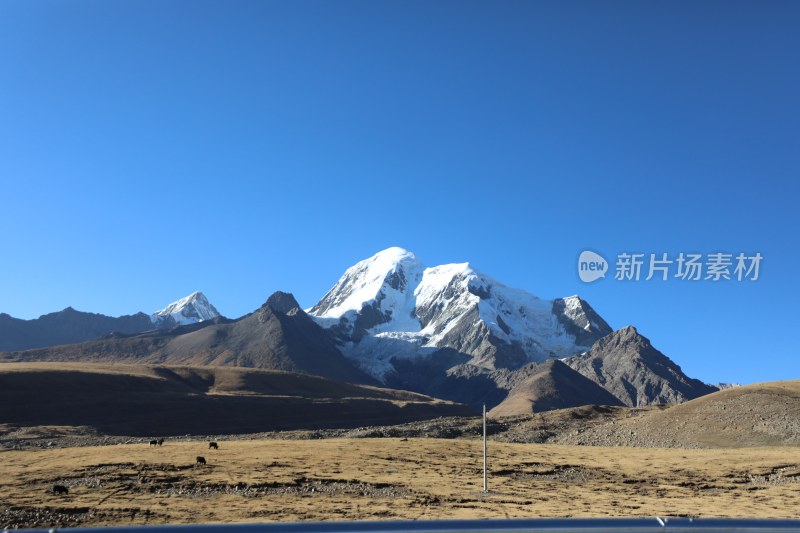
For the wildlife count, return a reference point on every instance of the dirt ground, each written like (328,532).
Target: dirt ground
(361,479)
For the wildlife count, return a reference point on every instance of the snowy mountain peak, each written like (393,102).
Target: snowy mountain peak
(189,310)
(387,273)
(390,307)
(392,254)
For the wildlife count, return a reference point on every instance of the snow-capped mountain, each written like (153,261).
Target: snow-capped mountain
(390,307)
(189,310)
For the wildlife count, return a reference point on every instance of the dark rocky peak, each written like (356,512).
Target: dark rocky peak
(633,370)
(282,302)
(627,341)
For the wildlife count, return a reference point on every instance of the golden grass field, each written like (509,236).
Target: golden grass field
(361,479)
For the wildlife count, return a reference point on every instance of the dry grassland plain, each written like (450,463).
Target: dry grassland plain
(369,479)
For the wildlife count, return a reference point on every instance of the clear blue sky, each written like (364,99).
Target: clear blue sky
(150,149)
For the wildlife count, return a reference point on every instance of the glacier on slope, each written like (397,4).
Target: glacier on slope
(390,307)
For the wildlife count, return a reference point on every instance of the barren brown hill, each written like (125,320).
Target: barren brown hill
(277,336)
(763,414)
(553,385)
(156,400)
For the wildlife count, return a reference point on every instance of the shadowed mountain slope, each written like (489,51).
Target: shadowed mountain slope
(64,327)
(141,400)
(629,367)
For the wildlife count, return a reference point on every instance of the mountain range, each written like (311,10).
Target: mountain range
(276,336)
(70,326)
(447,331)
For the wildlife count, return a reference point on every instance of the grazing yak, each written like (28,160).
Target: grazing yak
(213,446)
(200,460)
(157,442)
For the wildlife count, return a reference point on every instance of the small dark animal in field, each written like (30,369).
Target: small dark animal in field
(160,442)
(213,446)
(201,460)
(59,489)
(153,443)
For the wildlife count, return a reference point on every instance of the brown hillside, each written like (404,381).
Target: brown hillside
(763,414)
(553,385)
(155,400)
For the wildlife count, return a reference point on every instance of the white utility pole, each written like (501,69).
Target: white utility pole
(485,477)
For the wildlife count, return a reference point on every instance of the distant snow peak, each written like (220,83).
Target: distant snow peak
(188,310)
(723,385)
